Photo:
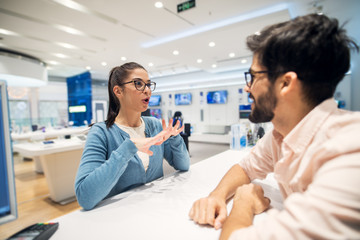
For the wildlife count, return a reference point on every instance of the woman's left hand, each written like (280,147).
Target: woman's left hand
(144,144)
(169,131)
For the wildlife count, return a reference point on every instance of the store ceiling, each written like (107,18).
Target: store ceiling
(70,36)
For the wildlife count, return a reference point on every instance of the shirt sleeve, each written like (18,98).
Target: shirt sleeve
(98,174)
(259,162)
(176,154)
(328,209)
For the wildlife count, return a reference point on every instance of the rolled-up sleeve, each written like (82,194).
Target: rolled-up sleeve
(328,209)
(260,161)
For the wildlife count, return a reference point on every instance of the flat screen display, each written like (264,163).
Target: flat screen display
(183,99)
(77,109)
(156,112)
(155,100)
(8,204)
(217,97)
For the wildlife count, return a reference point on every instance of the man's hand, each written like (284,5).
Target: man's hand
(248,200)
(209,210)
(253,195)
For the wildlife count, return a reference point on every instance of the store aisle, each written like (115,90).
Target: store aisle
(198,152)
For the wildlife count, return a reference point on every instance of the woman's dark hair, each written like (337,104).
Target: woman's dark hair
(116,78)
(313,46)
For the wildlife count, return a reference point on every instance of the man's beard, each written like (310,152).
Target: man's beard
(264,106)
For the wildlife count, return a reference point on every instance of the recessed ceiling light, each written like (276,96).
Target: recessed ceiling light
(211,44)
(199,60)
(151,64)
(232,55)
(213,66)
(243,61)
(176,52)
(159,4)
(88,67)
(103,63)
(123,58)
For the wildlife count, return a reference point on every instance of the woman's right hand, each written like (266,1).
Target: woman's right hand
(144,144)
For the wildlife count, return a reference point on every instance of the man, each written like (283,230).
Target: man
(314,149)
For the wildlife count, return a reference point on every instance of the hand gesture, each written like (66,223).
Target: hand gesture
(169,130)
(144,144)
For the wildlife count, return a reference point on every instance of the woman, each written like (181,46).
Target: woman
(127,150)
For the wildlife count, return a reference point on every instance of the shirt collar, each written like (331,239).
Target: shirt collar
(302,134)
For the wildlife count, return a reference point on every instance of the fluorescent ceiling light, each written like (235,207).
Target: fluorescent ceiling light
(7,32)
(69,30)
(223,23)
(60,55)
(66,45)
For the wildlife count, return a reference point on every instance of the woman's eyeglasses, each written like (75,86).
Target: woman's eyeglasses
(140,84)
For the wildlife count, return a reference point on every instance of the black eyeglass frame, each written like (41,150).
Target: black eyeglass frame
(150,85)
(252,75)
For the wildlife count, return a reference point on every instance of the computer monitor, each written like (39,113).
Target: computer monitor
(8,205)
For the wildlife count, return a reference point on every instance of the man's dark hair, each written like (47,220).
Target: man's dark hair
(313,46)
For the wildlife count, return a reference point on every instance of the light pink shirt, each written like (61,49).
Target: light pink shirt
(317,166)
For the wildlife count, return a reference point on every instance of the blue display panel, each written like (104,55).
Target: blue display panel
(217,97)
(183,99)
(156,112)
(155,100)
(80,98)
(8,205)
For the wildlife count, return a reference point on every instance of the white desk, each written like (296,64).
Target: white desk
(49,133)
(157,210)
(60,161)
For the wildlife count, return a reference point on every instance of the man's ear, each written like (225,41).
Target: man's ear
(288,83)
(117,91)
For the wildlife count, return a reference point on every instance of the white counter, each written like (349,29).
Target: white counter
(59,161)
(158,210)
(49,133)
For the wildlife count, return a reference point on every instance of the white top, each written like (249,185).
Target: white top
(137,132)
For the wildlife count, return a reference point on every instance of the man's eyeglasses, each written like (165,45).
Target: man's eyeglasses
(140,84)
(249,77)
